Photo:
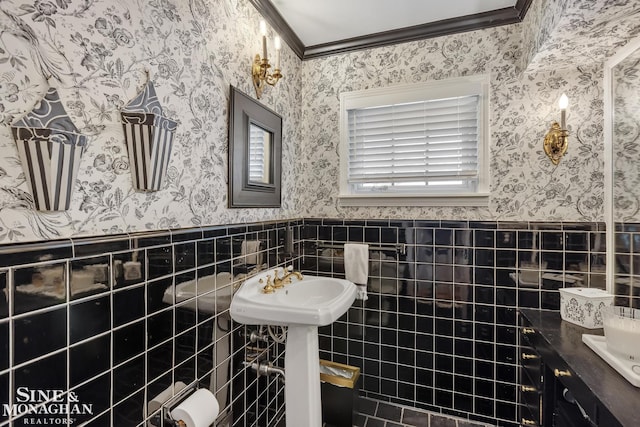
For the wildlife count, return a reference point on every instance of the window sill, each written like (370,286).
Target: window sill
(471,199)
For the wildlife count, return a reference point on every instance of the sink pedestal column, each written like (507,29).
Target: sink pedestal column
(302,382)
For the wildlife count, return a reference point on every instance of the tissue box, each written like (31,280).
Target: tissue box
(583,306)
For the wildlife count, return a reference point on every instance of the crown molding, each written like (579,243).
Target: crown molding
(494,18)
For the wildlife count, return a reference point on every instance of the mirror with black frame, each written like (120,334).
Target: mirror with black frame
(255,152)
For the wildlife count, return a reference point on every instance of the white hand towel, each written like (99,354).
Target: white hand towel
(250,249)
(356,266)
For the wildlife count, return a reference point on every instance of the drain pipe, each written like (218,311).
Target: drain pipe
(266,369)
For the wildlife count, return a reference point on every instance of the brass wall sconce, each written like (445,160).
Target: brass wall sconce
(557,139)
(261,66)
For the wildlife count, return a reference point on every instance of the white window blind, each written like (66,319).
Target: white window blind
(402,147)
(256,154)
(418,144)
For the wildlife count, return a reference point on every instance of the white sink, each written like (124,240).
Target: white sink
(302,306)
(312,301)
(213,292)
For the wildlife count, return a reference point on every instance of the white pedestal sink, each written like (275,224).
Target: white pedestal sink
(214,296)
(302,306)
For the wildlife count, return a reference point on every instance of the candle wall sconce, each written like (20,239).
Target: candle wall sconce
(557,139)
(261,65)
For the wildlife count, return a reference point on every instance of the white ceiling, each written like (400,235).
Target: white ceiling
(324,21)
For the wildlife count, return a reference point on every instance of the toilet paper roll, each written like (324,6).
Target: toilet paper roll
(157,402)
(198,410)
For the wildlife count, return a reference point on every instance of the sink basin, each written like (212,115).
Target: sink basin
(213,292)
(313,301)
(302,306)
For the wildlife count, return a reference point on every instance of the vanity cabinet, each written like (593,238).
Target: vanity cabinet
(531,380)
(563,383)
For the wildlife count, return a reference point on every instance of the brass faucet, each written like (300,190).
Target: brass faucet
(279,282)
(268,288)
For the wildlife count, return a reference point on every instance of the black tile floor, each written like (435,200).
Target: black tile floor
(374,413)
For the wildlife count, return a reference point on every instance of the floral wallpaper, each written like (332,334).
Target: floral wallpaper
(96,53)
(527,81)
(581,32)
(539,23)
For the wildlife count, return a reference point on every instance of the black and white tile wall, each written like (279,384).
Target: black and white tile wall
(109,322)
(439,330)
(97,317)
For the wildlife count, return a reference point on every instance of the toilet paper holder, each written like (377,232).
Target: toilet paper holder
(189,407)
(169,405)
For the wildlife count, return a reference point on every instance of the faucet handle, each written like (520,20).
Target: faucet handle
(268,288)
(285,270)
(278,282)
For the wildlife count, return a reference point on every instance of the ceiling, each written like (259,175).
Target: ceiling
(314,28)
(318,22)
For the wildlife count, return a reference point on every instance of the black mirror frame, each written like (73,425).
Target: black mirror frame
(243,111)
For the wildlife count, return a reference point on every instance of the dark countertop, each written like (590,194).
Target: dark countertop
(612,390)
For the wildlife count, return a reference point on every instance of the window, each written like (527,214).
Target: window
(259,153)
(422,144)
